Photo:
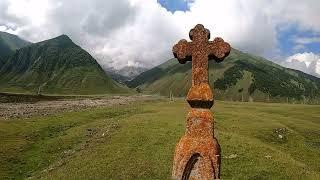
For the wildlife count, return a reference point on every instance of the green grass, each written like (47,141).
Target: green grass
(137,142)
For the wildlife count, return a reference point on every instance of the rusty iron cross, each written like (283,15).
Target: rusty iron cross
(197,155)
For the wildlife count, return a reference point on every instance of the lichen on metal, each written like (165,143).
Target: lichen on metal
(197,154)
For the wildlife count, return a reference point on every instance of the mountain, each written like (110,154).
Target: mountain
(124,74)
(8,44)
(55,66)
(131,71)
(240,76)
(305,62)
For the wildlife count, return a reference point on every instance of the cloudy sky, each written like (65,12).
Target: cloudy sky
(142,32)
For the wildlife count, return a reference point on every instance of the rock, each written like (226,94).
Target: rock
(280,136)
(232,156)
(268,156)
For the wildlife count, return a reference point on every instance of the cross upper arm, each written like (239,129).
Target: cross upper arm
(218,49)
(182,51)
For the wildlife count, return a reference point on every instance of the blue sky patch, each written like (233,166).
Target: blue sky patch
(174,5)
(292,40)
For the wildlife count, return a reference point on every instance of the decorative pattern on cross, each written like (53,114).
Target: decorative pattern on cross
(197,154)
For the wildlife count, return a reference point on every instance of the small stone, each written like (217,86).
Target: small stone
(268,156)
(280,136)
(232,156)
(51,169)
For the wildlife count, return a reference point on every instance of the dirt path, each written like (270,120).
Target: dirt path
(18,110)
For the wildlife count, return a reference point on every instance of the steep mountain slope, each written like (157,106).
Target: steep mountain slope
(2,61)
(55,66)
(240,76)
(8,44)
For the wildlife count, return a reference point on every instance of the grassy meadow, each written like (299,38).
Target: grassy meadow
(137,141)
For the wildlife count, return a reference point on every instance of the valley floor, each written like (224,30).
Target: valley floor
(136,140)
(41,107)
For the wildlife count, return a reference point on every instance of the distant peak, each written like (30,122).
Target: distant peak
(64,37)
(7,34)
(62,41)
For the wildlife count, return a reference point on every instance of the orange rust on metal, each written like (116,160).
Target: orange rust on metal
(197,155)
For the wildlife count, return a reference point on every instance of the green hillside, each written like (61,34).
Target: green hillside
(239,77)
(8,44)
(55,66)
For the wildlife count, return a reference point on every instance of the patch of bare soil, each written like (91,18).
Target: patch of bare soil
(25,110)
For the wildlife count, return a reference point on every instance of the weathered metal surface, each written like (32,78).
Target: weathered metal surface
(197,155)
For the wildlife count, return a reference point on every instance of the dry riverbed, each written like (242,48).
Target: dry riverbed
(28,109)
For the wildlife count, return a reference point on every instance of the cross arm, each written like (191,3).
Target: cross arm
(182,51)
(218,49)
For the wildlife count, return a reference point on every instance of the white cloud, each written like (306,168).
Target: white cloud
(121,32)
(307,40)
(307,62)
(299,47)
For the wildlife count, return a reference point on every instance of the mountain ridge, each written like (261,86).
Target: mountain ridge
(124,74)
(8,44)
(56,66)
(240,76)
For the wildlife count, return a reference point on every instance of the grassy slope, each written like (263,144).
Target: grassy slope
(58,66)
(265,77)
(172,76)
(137,142)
